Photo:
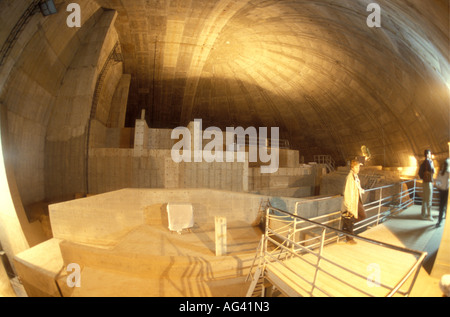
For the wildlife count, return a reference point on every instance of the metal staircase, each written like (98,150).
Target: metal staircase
(257,288)
(257,278)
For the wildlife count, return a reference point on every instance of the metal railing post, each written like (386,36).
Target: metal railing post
(295,226)
(319,258)
(339,227)
(266,231)
(379,205)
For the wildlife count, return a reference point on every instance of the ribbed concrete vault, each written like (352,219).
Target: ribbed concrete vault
(313,68)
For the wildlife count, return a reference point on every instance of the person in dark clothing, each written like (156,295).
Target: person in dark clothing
(442,184)
(426,172)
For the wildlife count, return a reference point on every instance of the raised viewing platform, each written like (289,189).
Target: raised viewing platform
(395,258)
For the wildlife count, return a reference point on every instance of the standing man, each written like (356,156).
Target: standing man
(353,210)
(426,172)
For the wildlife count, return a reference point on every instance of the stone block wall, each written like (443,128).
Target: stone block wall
(113,169)
(287,181)
(149,165)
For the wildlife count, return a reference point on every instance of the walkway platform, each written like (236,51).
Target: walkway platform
(362,258)
(386,266)
(409,230)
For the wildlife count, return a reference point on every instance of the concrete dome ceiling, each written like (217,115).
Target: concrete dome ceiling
(312,68)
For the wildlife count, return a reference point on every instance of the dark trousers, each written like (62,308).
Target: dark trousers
(443,199)
(349,222)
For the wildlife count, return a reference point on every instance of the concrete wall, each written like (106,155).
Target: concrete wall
(148,164)
(113,169)
(106,92)
(47,85)
(39,267)
(298,181)
(30,80)
(103,219)
(66,141)
(30,77)
(103,137)
(119,101)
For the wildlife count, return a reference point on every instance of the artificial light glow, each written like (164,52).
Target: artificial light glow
(409,171)
(366,153)
(412,161)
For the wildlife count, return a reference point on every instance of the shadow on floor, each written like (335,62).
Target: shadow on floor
(417,233)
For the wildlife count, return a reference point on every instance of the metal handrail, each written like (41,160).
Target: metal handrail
(382,201)
(293,224)
(321,257)
(419,189)
(326,160)
(379,243)
(388,202)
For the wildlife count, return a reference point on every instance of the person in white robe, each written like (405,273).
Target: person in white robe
(353,208)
